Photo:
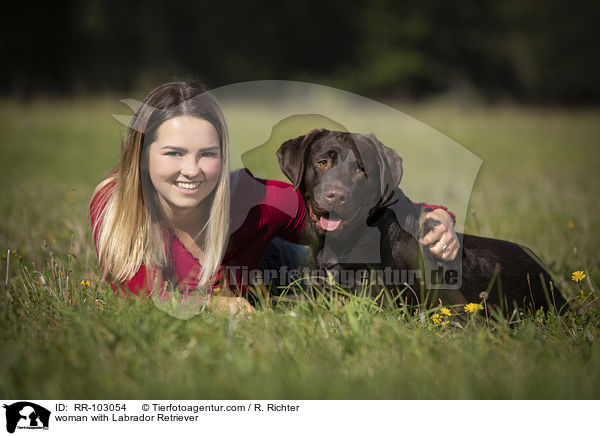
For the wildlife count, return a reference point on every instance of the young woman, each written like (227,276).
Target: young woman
(171,212)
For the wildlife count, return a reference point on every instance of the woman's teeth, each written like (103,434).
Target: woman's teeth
(187,186)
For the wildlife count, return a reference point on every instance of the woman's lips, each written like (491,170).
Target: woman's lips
(187,187)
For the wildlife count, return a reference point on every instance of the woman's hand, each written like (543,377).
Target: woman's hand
(230,305)
(192,304)
(441,240)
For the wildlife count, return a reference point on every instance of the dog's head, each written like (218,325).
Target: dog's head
(342,176)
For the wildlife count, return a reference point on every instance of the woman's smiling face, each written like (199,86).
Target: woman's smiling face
(184,163)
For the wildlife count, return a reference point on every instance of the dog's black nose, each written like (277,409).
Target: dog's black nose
(335,196)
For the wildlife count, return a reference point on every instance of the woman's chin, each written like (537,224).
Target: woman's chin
(179,205)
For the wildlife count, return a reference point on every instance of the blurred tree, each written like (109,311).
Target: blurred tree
(527,49)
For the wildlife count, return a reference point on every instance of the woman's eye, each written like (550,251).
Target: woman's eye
(209,154)
(322,163)
(173,153)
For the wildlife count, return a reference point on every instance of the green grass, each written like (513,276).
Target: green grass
(60,339)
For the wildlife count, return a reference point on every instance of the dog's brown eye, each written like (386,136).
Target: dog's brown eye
(323,163)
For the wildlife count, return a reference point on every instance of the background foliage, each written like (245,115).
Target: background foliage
(529,50)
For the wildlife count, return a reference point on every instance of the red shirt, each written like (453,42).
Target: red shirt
(260,211)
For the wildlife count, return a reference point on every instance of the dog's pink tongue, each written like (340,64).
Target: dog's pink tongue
(329,224)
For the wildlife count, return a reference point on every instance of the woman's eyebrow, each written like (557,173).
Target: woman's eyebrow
(176,148)
(173,147)
(210,148)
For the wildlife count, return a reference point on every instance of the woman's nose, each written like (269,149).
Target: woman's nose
(190,167)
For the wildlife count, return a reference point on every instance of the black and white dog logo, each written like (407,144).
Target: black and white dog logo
(26,415)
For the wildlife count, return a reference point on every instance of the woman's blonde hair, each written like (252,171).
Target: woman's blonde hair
(131,228)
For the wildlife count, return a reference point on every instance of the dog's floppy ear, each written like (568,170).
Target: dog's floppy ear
(292,155)
(390,165)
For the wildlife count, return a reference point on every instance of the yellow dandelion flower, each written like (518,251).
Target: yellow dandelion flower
(472,307)
(85,283)
(445,311)
(577,276)
(436,318)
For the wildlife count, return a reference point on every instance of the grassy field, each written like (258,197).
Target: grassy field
(59,338)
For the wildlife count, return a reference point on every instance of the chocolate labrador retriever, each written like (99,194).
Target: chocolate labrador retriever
(360,219)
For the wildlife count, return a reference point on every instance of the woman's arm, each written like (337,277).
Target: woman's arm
(282,197)
(442,240)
